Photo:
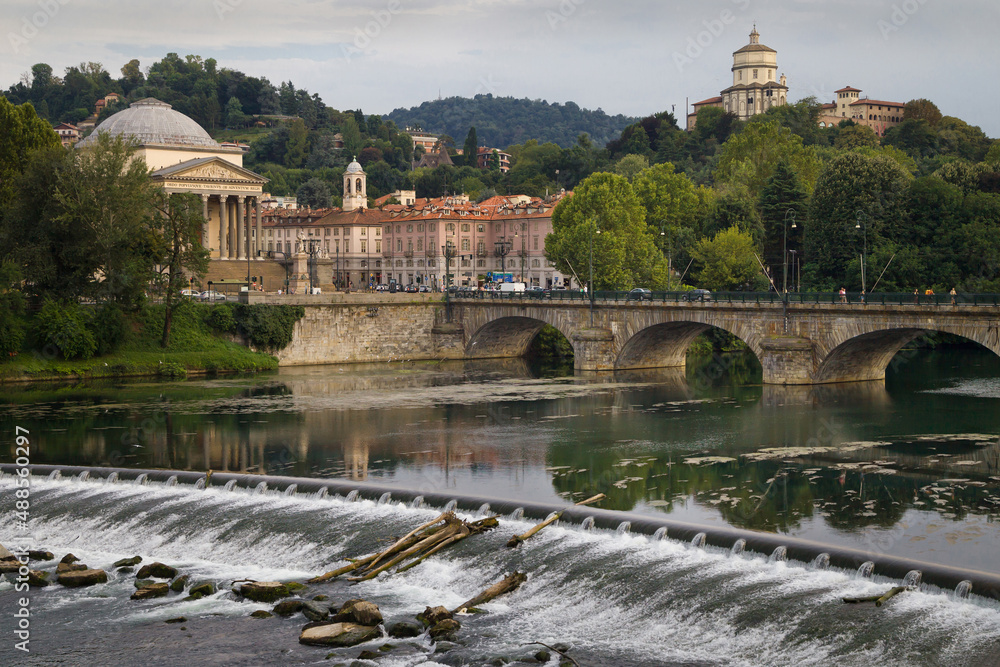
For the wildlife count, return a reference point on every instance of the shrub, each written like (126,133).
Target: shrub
(110,327)
(11,335)
(64,326)
(172,369)
(268,327)
(220,318)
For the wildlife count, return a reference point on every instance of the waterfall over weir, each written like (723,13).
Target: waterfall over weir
(608,595)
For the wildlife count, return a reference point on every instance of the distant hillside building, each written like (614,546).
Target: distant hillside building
(422,139)
(756,84)
(879,115)
(434,160)
(68,134)
(485,154)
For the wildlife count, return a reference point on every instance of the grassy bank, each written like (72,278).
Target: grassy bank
(195,348)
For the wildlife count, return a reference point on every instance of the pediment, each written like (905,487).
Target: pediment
(214,170)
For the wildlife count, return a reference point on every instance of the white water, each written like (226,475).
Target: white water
(618,599)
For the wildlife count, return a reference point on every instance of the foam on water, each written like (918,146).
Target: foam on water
(617,598)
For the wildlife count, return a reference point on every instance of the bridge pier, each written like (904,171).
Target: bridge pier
(594,350)
(787,360)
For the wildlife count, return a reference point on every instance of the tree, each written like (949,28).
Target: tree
(782,202)
(176,228)
(23,132)
(351,135)
(297,148)
(675,209)
(630,166)
(913,135)
(470,151)
(11,310)
(105,191)
(624,254)
(922,109)
(314,193)
(993,154)
(727,261)
(763,146)
(853,190)
(856,136)
(235,118)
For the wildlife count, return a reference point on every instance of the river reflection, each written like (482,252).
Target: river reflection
(910,466)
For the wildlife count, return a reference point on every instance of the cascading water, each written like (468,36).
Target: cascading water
(821,562)
(587,524)
(290,490)
(866,569)
(83,476)
(322,493)
(141,479)
(171,481)
(779,555)
(112,478)
(912,578)
(351,496)
(54,475)
(200,484)
(659,534)
(739,546)
(624,528)
(963,590)
(616,597)
(230,485)
(484,510)
(699,540)
(417,502)
(517,514)
(385,498)
(451,505)
(260,489)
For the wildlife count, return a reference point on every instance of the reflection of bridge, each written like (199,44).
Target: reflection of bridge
(817,342)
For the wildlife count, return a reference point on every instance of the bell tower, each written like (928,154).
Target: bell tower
(355,187)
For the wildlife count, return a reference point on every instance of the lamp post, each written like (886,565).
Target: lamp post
(861,224)
(795,260)
(502,247)
(312,243)
(790,213)
(449,252)
(591,288)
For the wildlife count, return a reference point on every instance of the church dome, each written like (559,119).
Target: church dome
(152,122)
(355,167)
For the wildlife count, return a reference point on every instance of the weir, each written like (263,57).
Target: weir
(735,540)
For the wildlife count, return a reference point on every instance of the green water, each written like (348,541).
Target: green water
(907,467)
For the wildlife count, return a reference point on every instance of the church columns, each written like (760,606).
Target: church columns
(204,214)
(223,229)
(231,217)
(259,240)
(241,248)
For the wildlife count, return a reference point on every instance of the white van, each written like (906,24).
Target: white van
(515,288)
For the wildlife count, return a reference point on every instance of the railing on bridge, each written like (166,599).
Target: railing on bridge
(773,298)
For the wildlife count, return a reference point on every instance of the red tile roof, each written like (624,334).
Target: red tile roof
(710,100)
(879,103)
(848,89)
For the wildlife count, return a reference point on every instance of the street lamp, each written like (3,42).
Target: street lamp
(796,268)
(790,213)
(449,253)
(596,231)
(864,252)
(502,246)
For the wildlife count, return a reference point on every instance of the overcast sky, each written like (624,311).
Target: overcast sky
(633,57)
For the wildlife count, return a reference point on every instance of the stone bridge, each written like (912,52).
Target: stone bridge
(815,344)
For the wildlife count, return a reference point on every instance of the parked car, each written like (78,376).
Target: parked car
(212,295)
(697,295)
(411,288)
(423,289)
(536,292)
(639,294)
(191,293)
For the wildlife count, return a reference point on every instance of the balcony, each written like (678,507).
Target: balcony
(408,253)
(387,253)
(432,253)
(481,252)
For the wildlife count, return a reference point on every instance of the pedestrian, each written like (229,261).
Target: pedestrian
(929,292)
(916,295)
(862,297)
(953,294)
(843,295)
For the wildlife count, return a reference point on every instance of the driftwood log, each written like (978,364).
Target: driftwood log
(880,599)
(517,539)
(508,584)
(419,544)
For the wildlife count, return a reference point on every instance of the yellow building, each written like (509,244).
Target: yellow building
(879,115)
(182,157)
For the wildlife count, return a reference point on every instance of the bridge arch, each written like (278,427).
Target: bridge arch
(867,355)
(508,336)
(661,339)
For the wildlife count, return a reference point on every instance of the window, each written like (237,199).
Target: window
(420,245)
(534,243)
(327,246)
(498,229)
(409,229)
(347,245)
(524,226)
(741,75)
(481,229)
(535,264)
(364,245)
(336,231)
(378,231)
(432,227)
(398,228)
(465,226)
(399,245)
(465,245)
(378,246)
(326,232)
(388,229)
(755,75)
(481,247)
(450,227)
(364,231)
(420,227)
(336,246)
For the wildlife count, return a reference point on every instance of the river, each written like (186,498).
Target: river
(909,467)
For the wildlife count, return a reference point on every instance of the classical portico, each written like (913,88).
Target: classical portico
(230,196)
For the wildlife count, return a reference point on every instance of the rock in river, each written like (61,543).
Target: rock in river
(338,634)
(151,591)
(83,578)
(157,570)
(264,591)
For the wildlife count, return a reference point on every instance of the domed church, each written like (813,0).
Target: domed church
(184,158)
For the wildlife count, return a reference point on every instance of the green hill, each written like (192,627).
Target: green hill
(504,121)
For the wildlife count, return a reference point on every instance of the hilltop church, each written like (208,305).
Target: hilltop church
(756,84)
